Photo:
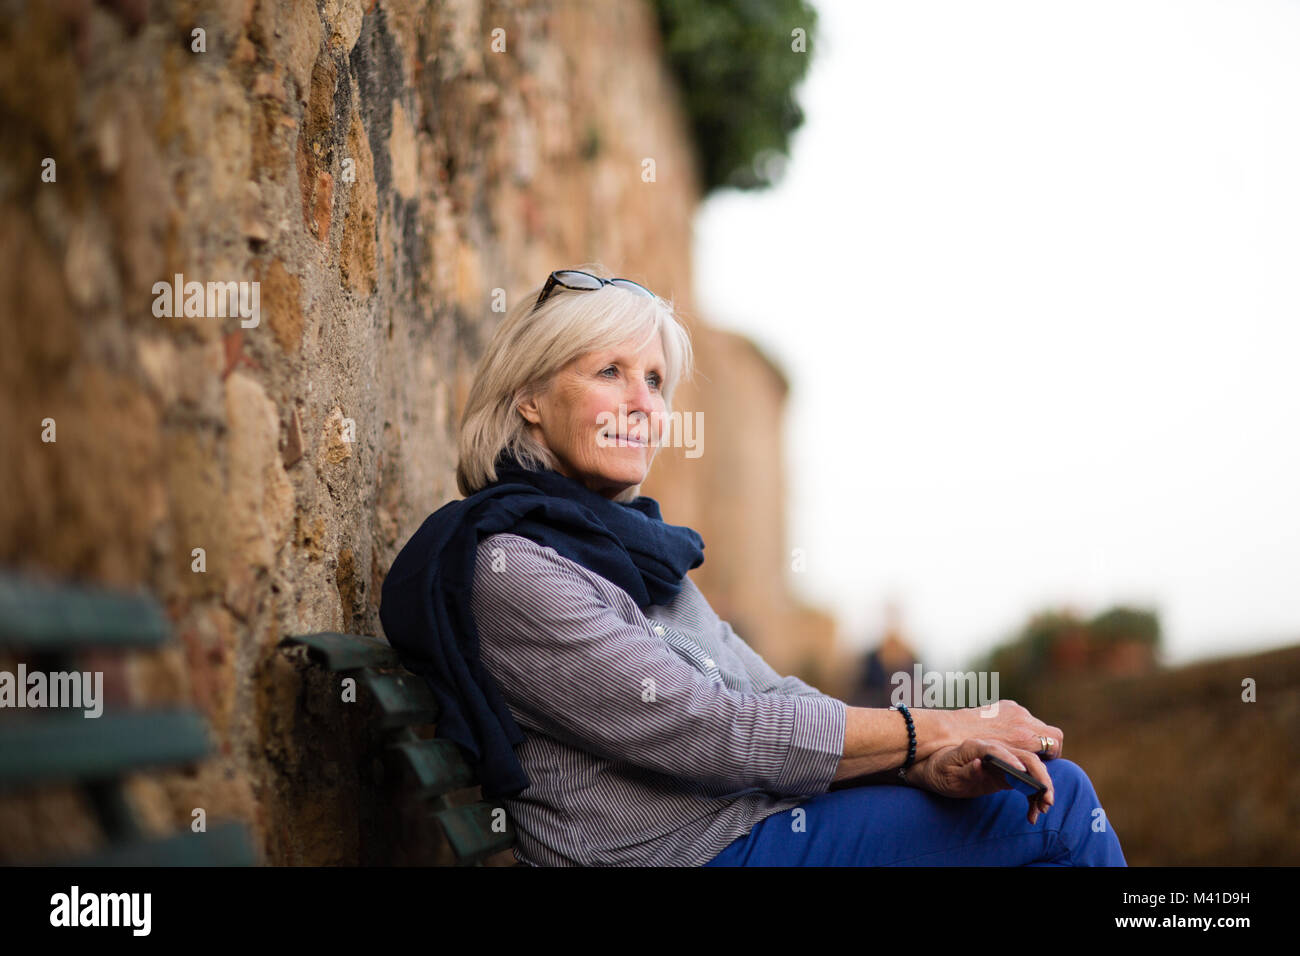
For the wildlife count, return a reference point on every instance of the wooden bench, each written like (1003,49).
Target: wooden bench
(49,628)
(429,770)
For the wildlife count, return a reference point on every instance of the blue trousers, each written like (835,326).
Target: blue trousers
(886,825)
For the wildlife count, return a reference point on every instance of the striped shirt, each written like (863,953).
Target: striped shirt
(652,739)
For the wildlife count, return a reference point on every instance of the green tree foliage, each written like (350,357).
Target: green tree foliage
(736,70)
(1060,640)
(1126,624)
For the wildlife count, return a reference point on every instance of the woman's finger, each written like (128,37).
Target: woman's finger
(1034,764)
(995,779)
(974,779)
(1031,764)
(1055,739)
(1021,760)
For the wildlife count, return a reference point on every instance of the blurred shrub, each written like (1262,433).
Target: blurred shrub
(737,72)
(1058,643)
(1126,624)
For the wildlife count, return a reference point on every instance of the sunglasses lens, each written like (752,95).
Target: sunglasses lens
(631,286)
(578,280)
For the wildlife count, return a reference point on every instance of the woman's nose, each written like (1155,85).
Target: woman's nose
(638,397)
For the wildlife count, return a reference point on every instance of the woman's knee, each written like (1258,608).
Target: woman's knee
(1067,773)
(1083,824)
(1070,782)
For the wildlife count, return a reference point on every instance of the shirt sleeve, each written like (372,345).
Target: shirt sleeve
(765,679)
(572,667)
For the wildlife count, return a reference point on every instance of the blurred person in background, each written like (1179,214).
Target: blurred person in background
(892,656)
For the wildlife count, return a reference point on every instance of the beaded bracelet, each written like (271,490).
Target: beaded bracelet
(911,739)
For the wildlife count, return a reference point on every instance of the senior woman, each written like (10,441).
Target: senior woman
(601,700)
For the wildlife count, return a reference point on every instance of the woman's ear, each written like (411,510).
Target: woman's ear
(527,407)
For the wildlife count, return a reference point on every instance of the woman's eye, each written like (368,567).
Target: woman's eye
(658,379)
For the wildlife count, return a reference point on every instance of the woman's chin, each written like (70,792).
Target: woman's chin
(631,474)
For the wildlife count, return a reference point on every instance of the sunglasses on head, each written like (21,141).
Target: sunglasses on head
(585,282)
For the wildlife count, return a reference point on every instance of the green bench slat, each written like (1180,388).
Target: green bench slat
(343,652)
(74,747)
(469,831)
(403,699)
(436,765)
(227,844)
(42,617)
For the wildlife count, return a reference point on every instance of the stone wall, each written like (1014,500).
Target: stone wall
(379,169)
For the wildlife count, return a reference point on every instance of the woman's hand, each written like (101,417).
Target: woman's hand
(1009,724)
(959,772)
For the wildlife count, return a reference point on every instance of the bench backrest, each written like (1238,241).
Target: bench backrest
(433,769)
(48,628)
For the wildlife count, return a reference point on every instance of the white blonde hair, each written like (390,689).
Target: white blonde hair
(528,348)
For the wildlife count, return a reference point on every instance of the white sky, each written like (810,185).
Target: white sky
(1033,274)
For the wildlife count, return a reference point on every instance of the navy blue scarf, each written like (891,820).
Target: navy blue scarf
(425,603)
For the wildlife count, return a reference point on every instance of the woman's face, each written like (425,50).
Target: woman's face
(579,419)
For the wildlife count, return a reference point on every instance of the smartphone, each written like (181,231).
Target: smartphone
(1019,779)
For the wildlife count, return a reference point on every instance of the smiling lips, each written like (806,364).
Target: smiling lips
(630,440)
